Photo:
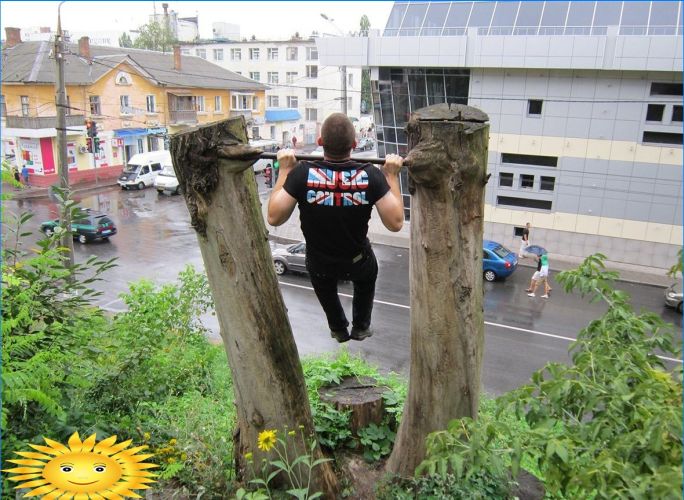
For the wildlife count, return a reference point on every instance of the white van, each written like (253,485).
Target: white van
(166,180)
(143,168)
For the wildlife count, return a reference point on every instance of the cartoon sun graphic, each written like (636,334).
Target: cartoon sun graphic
(84,470)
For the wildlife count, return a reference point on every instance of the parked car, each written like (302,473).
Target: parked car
(86,227)
(167,181)
(143,168)
(673,297)
(292,258)
(497,261)
(364,144)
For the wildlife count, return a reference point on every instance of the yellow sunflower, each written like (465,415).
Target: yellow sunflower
(267,440)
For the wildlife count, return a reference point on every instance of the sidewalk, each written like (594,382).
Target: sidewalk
(629,273)
(30,192)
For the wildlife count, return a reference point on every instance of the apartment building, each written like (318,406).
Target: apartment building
(301,94)
(135,97)
(585,107)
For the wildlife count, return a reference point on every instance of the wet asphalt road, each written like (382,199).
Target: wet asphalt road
(155,241)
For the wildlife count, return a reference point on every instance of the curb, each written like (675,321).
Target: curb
(45,192)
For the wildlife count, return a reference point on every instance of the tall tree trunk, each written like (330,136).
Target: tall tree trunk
(213,165)
(447,165)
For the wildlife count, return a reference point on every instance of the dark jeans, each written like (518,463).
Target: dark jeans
(324,278)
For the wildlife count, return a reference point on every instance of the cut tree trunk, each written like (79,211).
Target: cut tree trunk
(362,397)
(447,177)
(213,166)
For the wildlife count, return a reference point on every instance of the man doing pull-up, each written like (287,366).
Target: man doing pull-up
(335,196)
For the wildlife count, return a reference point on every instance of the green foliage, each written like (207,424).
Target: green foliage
(332,426)
(607,426)
(677,267)
(125,41)
(478,486)
(155,36)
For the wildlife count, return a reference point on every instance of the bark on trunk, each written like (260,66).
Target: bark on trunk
(362,397)
(213,165)
(447,175)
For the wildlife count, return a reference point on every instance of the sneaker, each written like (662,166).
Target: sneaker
(545,296)
(531,295)
(360,334)
(529,290)
(341,336)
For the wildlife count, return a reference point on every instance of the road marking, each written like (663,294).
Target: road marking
(499,325)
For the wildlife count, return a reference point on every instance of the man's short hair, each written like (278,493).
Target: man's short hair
(338,136)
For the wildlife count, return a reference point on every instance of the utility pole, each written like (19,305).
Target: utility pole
(343,69)
(62,164)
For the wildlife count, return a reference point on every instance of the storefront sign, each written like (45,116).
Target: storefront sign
(71,156)
(117,142)
(30,154)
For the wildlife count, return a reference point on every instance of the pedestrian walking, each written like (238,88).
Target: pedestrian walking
(535,276)
(17,177)
(543,277)
(335,196)
(525,241)
(25,175)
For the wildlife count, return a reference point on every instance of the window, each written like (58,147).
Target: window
(272,77)
(540,161)
(125,102)
(255,75)
(655,112)
(526,181)
(312,93)
(235,54)
(198,101)
(3,106)
(292,101)
(273,101)
(218,105)
(505,179)
(273,132)
(95,108)
(242,101)
(201,53)
(151,104)
(311,54)
(253,54)
(255,133)
(674,89)
(547,183)
(534,107)
(677,113)
(291,53)
(511,201)
(272,54)
(663,138)
(185,52)
(312,71)
(290,76)
(24,105)
(311,114)
(255,103)
(218,54)
(350,79)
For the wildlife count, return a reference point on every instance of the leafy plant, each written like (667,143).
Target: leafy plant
(607,426)
(377,441)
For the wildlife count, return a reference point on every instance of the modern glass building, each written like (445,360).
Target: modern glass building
(585,108)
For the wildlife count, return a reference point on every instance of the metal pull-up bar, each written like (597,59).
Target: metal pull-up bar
(273,156)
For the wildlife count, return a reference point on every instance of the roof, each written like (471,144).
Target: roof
(32,62)
(282,115)
(534,18)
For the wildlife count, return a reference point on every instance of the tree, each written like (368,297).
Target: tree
(365,72)
(155,36)
(447,166)
(125,41)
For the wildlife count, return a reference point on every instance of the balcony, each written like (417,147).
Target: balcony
(247,113)
(182,116)
(39,122)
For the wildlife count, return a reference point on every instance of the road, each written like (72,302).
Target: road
(155,241)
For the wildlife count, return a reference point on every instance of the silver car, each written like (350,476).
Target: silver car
(292,258)
(673,296)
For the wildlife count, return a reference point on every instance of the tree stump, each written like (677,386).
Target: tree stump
(213,166)
(361,396)
(447,167)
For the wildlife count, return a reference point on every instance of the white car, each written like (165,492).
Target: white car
(167,181)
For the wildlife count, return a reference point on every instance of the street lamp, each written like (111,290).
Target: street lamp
(342,68)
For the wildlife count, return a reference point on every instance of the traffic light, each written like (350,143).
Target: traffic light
(96,145)
(92,128)
(89,144)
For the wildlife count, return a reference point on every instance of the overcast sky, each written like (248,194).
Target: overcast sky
(279,19)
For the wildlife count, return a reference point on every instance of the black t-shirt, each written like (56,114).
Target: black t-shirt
(526,234)
(335,200)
